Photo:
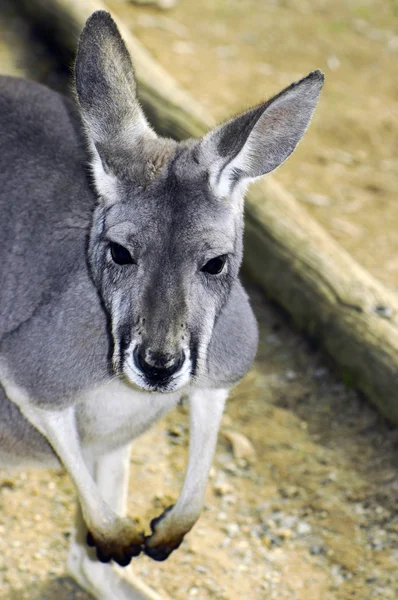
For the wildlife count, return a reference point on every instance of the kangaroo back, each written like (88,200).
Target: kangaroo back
(45,199)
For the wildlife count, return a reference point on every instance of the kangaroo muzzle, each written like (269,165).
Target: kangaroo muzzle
(156,367)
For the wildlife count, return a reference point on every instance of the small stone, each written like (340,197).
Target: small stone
(245,529)
(229,499)
(7,483)
(232,530)
(303,528)
(317,199)
(289,522)
(162,22)
(333,62)
(393,43)
(345,227)
(320,373)
(270,540)
(317,550)
(338,575)
(242,448)
(290,491)
(231,468)
(174,431)
(290,375)
(202,569)
(175,435)
(163,4)
(222,488)
(383,311)
(181,47)
(284,533)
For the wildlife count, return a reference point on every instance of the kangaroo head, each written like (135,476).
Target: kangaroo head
(166,240)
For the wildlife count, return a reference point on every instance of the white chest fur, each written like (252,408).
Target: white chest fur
(113,414)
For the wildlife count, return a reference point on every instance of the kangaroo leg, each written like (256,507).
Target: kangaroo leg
(106,581)
(115,537)
(168,530)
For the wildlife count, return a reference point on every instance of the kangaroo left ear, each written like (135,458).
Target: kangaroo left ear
(106,93)
(261,139)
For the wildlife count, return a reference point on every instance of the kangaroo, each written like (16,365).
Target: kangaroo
(120,289)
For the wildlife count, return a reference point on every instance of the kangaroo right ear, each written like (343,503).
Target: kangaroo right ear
(259,140)
(106,94)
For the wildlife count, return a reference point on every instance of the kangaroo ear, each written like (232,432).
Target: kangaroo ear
(259,140)
(106,94)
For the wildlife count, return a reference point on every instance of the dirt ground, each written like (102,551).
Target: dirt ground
(314,515)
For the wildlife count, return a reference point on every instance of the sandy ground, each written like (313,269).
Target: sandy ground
(314,515)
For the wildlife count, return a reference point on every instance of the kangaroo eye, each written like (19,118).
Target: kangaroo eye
(215,265)
(120,254)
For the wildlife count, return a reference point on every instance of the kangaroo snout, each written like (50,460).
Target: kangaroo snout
(155,366)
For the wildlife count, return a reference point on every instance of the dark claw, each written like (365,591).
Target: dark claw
(156,520)
(134,551)
(122,556)
(162,552)
(159,554)
(104,558)
(125,560)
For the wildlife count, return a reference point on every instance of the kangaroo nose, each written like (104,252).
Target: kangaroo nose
(157,367)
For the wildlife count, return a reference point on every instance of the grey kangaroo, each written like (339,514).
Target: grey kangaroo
(120,289)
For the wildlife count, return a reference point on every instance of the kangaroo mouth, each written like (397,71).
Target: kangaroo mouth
(165,386)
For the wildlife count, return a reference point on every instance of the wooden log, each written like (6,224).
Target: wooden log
(328,295)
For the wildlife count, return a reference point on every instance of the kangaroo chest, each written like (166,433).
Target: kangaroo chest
(113,414)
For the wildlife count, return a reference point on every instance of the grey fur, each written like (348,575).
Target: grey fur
(70,316)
